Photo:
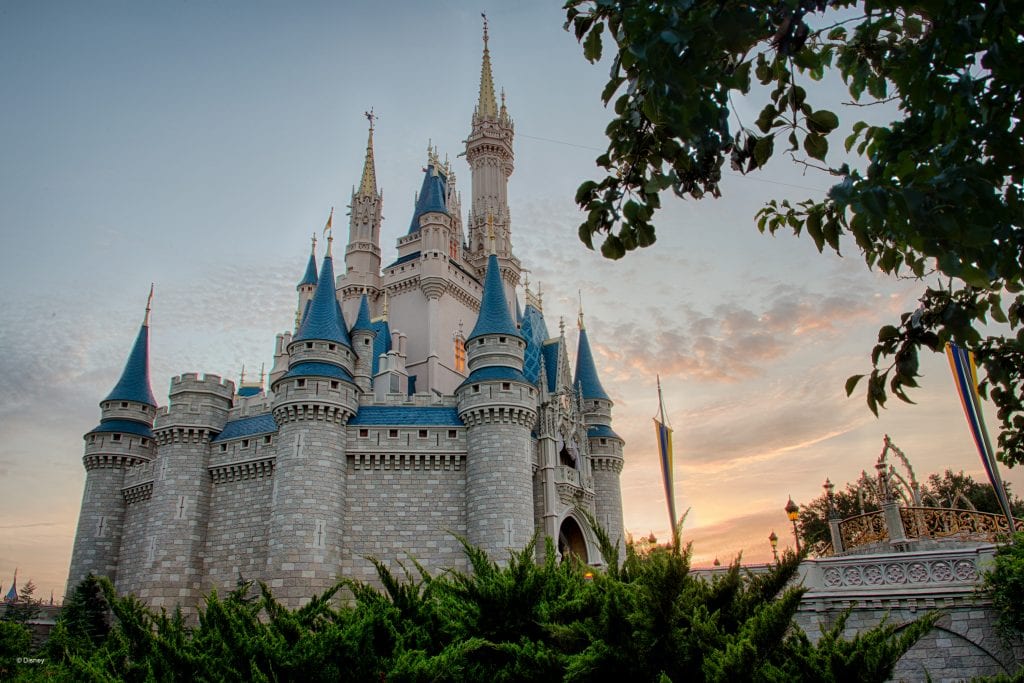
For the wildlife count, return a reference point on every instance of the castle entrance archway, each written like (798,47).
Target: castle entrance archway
(571,540)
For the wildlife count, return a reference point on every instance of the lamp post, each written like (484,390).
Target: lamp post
(774,540)
(793,511)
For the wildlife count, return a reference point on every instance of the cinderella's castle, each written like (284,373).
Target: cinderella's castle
(411,403)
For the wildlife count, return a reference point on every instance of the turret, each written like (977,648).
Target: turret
(123,438)
(306,286)
(491,159)
(605,445)
(499,407)
(180,504)
(312,403)
(362,254)
(363,334)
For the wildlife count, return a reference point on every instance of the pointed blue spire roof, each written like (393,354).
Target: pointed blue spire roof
(494,315)
(431,197)
(323,320)
(134,382)
(363,318)
(586,371)
(310,277)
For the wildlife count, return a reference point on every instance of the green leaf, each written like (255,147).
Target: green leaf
(851,383)
(763,150)
(823,120)
(592,45)
(816,146)
(612,248)
(888,332)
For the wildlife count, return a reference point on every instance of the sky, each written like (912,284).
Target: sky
(197,145)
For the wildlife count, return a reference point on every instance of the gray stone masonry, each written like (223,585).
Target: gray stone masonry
(98,544)
(180,503)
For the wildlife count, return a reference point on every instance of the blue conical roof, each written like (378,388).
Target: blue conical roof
(363,319)
(134,382)
(494,315)
(323,319)
(586,372)
(310,277)
(431,197)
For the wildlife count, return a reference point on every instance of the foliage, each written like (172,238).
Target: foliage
(648,619)
(15,642)
(935,191)
(950,489)
(1005,584)
(25,608)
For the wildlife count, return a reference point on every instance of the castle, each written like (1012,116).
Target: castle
(411,403)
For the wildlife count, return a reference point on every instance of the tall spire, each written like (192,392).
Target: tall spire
(134,382)
(586,372)
(494,315)
(324,320)
(309,278)
(368,184)
(487,107)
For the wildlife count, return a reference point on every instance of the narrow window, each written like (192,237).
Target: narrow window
(266,439)
(334,385)
(452,434)
(331,347)
(117,437)
(223,448)
(476,388)
(460,355)
(502,340)
(245,443)
(392,433)
(124,404)
(423,433)
(604,442)
(145,442)
(364,433)
(506,386)
(301,383)
(309,345)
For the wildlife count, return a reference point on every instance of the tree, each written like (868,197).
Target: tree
(935,193)
(25,608)
(84,622)
(1005,583)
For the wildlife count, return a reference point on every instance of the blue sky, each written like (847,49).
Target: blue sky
(198,145)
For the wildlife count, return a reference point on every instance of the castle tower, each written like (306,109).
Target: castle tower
(491,159)
(605,445)
(123,438)
(362,255)
(363,336)
(306,286)
(312,403)
(499,406)
(180,504)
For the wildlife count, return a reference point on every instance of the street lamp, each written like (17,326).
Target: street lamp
(774,540)
(793,511)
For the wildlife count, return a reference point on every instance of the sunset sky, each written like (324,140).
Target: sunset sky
(197,145)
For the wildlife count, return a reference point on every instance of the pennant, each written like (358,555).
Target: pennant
(664,435)
(965,378)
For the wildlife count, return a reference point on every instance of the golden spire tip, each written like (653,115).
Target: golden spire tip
(149,306)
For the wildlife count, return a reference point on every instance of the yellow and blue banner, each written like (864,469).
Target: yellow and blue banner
(664,434)
(965,377)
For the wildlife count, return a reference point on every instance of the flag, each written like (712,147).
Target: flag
(12,594)
(664,434)
(965,377)
(330,222)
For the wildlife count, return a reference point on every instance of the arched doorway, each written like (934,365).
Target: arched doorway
(571,540)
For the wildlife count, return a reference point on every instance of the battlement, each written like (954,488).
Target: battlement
(193,382)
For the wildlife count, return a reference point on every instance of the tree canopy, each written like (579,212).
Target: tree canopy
(934,194)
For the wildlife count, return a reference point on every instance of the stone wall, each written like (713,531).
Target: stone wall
(902,587)
(236,539)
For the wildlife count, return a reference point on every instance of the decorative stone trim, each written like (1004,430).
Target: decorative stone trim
(138,492)
(311,412)
(408,461)
(95,461)
(901,573)
(485,415)
(246,469)
(169,435)
(606,464)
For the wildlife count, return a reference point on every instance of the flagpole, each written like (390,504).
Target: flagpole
(664,435)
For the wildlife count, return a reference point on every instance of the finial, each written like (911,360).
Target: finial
(371,117)
(149,306)
(368,183)
(579,321)
(485,27)
(486,107)
(384,308)
(313,250)
(263,373)
(241,378)
(561,325)
(329,232)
